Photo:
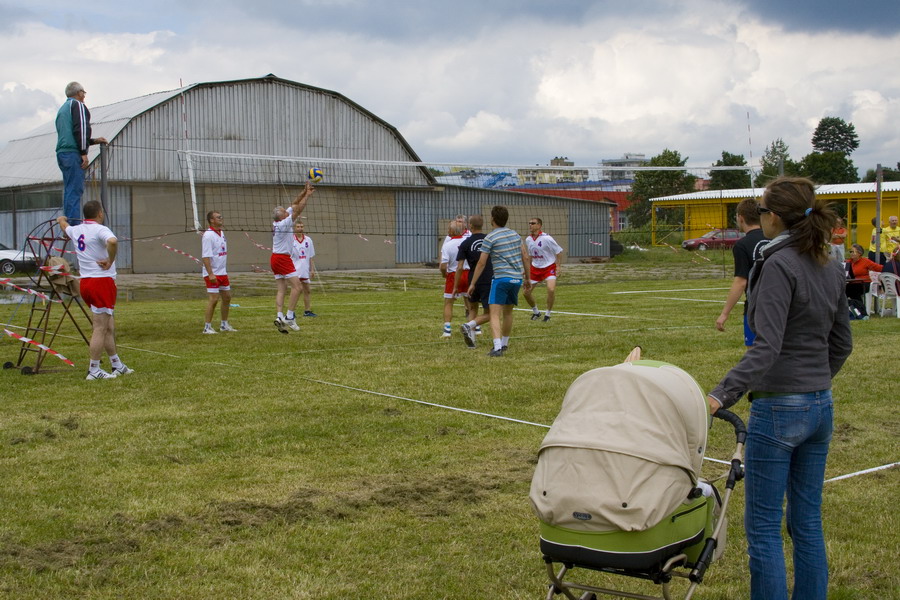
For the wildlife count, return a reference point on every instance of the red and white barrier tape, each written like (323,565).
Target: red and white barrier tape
(46,349)
(255,243)
(177,251)
(28,291)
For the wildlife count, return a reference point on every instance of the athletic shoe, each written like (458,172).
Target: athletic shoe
(468,335)
(226,327)
(123,370)
(447,331)
(496,352)
(546,318)
(535,316)
(100,374)
(292,323)
(478,330)
(209,330)
(309,313)
(281,324)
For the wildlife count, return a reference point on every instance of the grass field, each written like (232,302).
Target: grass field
(257,465)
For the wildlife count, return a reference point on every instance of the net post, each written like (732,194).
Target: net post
(190,170)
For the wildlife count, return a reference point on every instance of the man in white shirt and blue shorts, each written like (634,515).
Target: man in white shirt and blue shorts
(96,247)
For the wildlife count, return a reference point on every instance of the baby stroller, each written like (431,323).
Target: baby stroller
(617,487)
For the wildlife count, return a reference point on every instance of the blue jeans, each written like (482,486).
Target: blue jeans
(73,184)
(787,445)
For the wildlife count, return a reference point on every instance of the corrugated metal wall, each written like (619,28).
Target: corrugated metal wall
(257,117)
(581,227)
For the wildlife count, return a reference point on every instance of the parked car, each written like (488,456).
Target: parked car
(717,238)
(16,260)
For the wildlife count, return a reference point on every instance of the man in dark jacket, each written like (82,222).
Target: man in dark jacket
(73,136)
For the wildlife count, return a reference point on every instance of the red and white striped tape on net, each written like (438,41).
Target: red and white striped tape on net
(255,243)
(46,349)
(28,291)
(177,251)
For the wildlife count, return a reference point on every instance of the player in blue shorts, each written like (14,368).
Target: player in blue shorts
(510,261)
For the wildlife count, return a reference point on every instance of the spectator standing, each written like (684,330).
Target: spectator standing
(73,137)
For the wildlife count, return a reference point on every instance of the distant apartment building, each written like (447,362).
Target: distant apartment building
(623,166)
(561,170)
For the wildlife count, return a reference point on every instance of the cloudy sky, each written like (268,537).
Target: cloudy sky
(496,81)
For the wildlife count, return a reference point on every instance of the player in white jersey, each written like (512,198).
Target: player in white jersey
(302,255)
(463,222)
(544,253)
(453,288)
(96,247)
(214,256)
(282,266)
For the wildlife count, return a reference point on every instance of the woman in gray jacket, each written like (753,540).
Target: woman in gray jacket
(798,309)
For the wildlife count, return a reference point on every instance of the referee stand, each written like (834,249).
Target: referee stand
(54,298)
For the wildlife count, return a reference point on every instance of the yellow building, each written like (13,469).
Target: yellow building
(699,212)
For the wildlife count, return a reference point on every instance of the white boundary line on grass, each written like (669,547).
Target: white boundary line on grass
(658,291)
(562,312)
(463,410)
(863,472)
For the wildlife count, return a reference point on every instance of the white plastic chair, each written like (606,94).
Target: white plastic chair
(885,289)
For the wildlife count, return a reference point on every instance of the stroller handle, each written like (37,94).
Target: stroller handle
(740,430)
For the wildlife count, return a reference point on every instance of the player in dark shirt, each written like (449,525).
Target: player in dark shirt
(745,252)
(470,252)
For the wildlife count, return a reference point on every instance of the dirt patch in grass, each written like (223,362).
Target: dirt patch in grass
(434,496)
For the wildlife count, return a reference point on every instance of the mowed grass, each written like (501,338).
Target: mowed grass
(245,466)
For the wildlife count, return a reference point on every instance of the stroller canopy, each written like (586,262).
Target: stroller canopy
(625,450)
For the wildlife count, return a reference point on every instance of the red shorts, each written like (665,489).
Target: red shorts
(219,284)
(282,266)
(542,274)
(99,293)
(461,289)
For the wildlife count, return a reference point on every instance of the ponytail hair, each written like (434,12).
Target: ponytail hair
(808,217)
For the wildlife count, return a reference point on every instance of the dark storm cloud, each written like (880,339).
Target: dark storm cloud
(399,20)
(880,17)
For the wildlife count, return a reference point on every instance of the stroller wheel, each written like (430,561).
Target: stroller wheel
(588,596)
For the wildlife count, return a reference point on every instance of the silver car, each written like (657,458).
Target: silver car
(16,260)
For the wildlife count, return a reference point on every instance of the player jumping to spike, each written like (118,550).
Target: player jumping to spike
(544,252)
(282,266)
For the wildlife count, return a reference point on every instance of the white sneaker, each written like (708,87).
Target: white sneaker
(478,330)
(281,324)
(226,327)
(292,323)
(446,331)
(208,330)
(123,370)
(99,374)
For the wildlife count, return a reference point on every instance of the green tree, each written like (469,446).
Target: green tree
(828,167)
(775,159)
(887,174)
(834,134)
(653,184)
(729,180)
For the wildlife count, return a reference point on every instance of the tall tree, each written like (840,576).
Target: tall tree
(828,167)
(729,180)
(834,134)
(653,184)
(775,159)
